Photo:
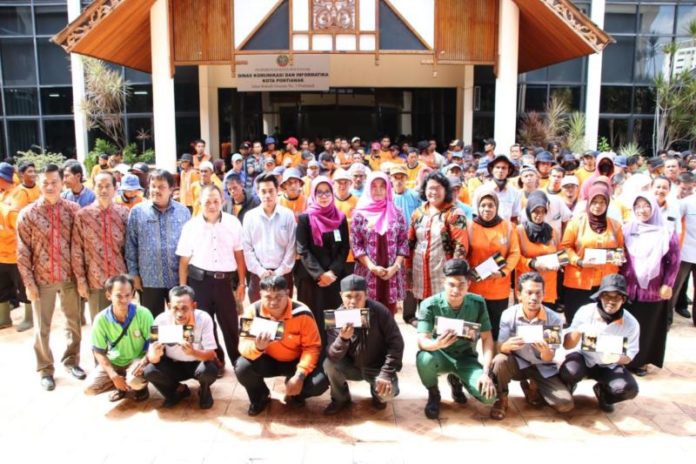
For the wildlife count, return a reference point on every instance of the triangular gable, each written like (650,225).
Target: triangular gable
(249,16)
(394,33)
(274,33)
(419,15)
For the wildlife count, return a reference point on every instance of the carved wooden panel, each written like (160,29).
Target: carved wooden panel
(466,30)
(202,34)
(333,15)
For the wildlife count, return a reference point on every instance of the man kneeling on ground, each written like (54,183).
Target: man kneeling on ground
(446,352)
(193,357)
(119,342)
(294,355)
(372,353)
(530,362)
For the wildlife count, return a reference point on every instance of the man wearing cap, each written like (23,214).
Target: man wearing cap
(129,192)
(268,238)
(656,166)
(372,353)
(569,164)
(509,198)
(356,143)
(456,186)
(208,177)
(587,169)
(295,356)
(188,176)
(445,352)
(292,156)
(271,150)
(570,191)
(199,155)
(44,230)
(211,261)
(531,363)
(358,173)
(604,316)
(238,167)
(455,151)
(543,162)
(98,243)
(73,178)
(240,200)
(142,170)
(406,199)
(292,196)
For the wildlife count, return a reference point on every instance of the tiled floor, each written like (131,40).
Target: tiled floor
(67,426)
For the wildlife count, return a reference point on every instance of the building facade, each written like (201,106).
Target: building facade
(396,67)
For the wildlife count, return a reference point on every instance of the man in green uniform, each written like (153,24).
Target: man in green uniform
(446,351)
(120,336)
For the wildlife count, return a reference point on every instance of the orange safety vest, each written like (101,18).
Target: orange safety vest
(529,251)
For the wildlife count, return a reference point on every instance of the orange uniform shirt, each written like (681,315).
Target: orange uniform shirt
(297,206)
(346,207)
(8,227)
(529,251)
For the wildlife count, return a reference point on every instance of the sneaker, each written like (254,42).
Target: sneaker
(258,407)
(683,312)
(457,389)
(47,383)
(77,372)
(335,407)
(601,399)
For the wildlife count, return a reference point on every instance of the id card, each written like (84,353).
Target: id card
(337,235)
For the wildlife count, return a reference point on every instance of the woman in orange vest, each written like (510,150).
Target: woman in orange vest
(585,238)
(537,238)
(490,234)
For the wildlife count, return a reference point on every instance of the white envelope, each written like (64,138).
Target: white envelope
(346,316)
(170,334)
(443,324)
(610,344)
(487,268)
(260,325)
(549,261)
(531,333)
(595,256)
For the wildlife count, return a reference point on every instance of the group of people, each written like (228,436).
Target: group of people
(590,249)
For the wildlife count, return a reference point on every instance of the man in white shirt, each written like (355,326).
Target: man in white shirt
(268,238)
(605,316)
(688,257)
(509,198)
(211,261)
(192,355)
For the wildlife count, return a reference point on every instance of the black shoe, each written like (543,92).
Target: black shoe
(141,395)
(457,389)
(378,405)
(295,401)
(178,396)
(603,404)
(432,407)
(683,312)
(117,395)
(639,371)
(205,397)
(77,372)
(47,383)
(335,407)
(257,408)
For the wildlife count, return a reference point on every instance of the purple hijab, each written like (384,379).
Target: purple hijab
(647,242)
(322,219)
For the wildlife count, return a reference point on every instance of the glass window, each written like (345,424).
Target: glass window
(534,97)
(57,100)
(643,133)
(54,64)
(22,135)
(486,101)
(571,95)
(138,127)
(685,14)
(21,102)
(650,58)
(615,130)
(644,100)
(617,60)
(18,64)
(567,71)
(137,77)
(615,99)
(655,19)
(50,19)
(60,136)
(620,19)
(537,75)
(15,20)
(140,100)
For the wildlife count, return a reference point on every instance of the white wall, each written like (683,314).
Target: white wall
(421,15)
(247,15)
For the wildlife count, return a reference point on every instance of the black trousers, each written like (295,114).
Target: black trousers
(255,291)
(216,297)
(154,299)
(251,374)
(617,382)
(495,311)
(685,270)
(410,307)
(573,299)
(11,286)
(167,374)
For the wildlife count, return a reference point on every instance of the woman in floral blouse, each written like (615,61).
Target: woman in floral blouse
(379,239)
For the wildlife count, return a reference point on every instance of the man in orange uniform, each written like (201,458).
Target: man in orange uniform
(293,197)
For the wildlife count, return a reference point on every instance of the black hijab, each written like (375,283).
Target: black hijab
(537,233)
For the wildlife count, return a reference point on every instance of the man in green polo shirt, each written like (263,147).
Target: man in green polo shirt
(443,350)
(120,336)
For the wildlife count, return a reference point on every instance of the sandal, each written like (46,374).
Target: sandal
(499,409)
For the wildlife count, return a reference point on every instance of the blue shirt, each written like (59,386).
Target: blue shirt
(85,198)
(466,209)
(407,202)
(151,242)
(357,193)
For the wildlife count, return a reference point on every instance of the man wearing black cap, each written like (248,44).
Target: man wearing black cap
(510,199)
(656,166)
(604,316)
(449,353)
(544,161)
(372,353)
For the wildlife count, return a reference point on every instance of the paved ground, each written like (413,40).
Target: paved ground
(67,426)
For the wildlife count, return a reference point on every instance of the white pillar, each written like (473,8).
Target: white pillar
(505,125)
(78,86)
(468,109)
(406,115)
(204,109)
(162,88)
(594,82)
(267,117)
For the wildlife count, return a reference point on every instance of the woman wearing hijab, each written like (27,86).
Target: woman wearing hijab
(537,238)
(593,231)
(652,263)
(379,240)
(490,234)
(437,234)
(323,245)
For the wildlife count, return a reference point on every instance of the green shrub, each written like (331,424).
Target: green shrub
(40,160)
(130,154)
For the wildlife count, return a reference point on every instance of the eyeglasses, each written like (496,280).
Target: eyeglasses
(324,193)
